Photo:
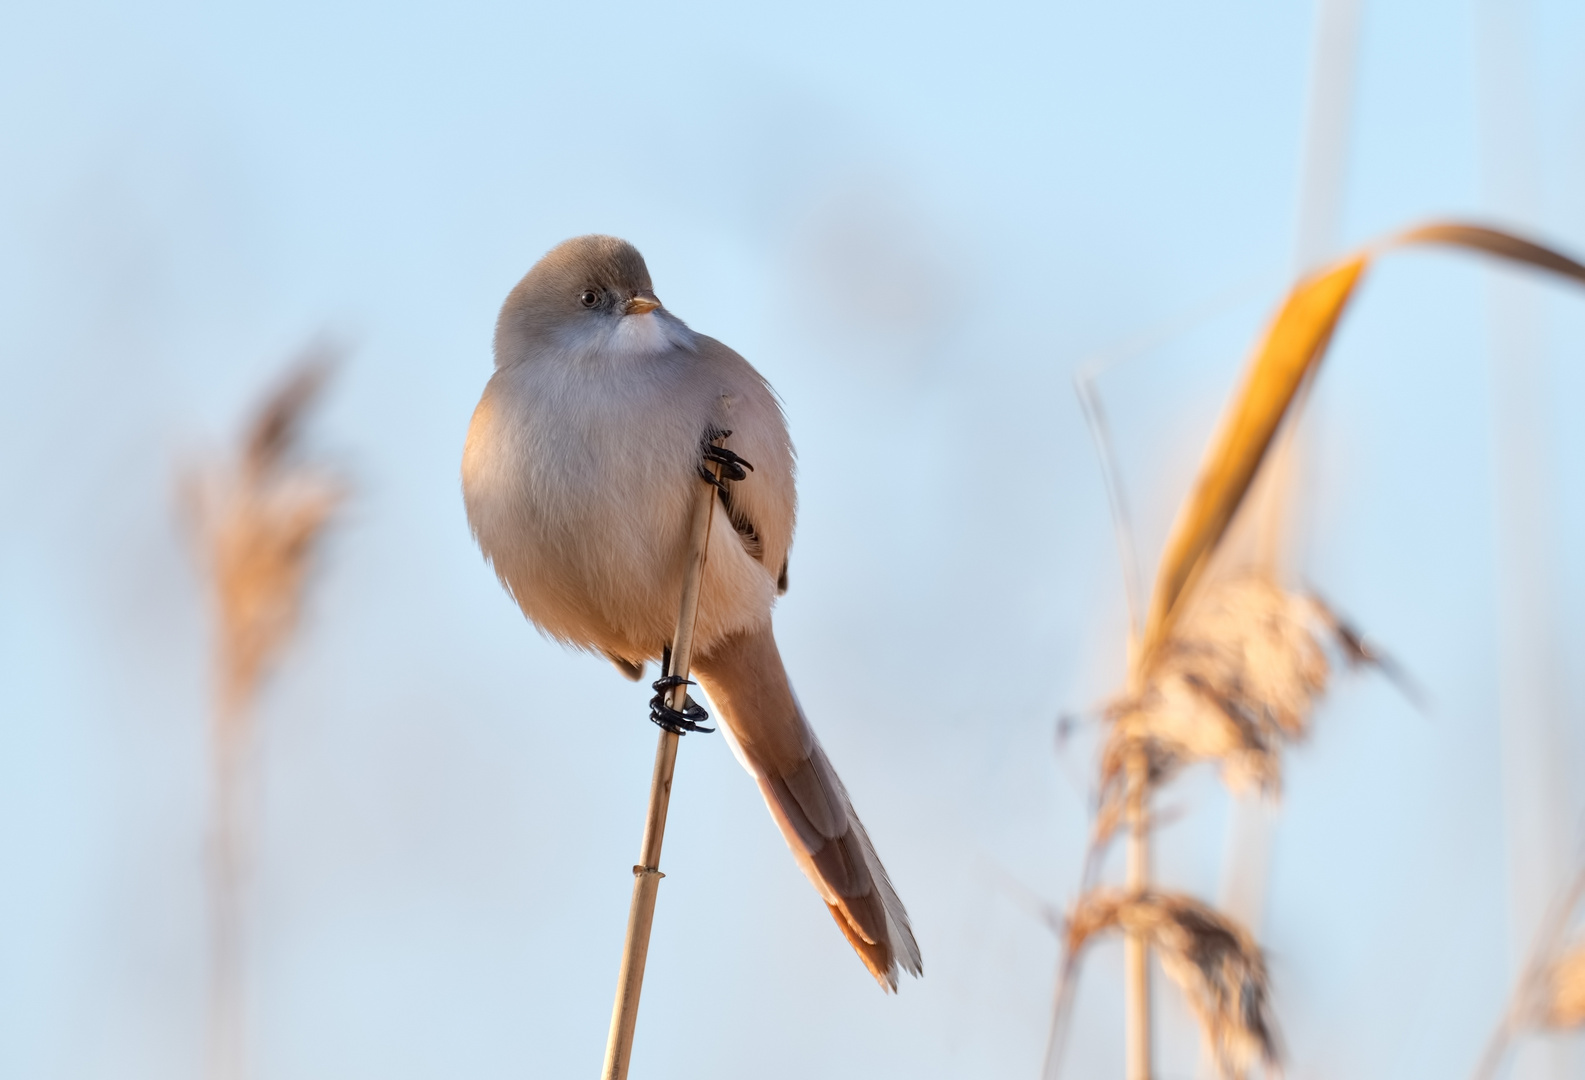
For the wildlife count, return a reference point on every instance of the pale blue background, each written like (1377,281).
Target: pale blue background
(917,220)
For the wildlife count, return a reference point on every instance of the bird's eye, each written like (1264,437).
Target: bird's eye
(589,298)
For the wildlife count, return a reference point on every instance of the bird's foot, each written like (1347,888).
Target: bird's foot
(732,467)
(690,718)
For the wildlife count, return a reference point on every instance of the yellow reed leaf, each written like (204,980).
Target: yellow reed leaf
(1288,354)
(1291,348)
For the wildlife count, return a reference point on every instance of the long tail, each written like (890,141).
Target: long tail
(767,730)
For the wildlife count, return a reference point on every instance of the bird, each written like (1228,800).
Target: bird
(578,474)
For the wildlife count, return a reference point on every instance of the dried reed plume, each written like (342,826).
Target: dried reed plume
(257,522)
(1237,678)
(1229,670)
(1213,960)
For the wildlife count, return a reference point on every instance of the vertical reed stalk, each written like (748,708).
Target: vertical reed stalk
(226,1054)
(1323,175)
(1136,951)
(1533,706)
(647,875)
(1323,179)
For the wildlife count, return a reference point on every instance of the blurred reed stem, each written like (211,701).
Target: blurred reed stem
(226,1054)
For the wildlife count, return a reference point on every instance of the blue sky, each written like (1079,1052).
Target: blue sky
(917,221)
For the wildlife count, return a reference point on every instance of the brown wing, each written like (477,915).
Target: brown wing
(747,534)
(763,506)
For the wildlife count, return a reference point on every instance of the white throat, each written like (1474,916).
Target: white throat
(644,333)
(632,336)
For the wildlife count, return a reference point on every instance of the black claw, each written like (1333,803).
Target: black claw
(732,467)
(690,718)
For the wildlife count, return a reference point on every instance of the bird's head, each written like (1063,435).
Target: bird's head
(587,292)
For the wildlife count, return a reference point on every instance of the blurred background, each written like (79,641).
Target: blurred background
(918,221)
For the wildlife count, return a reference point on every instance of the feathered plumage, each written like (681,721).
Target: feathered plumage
(580,466)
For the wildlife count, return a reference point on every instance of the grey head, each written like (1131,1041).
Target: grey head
(578,294)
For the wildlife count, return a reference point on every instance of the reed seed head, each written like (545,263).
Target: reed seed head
(259,520)
(1214,962)
(1237,679)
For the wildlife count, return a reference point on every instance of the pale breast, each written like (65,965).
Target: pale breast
(578,480)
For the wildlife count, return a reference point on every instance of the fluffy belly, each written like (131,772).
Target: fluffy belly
(586,524)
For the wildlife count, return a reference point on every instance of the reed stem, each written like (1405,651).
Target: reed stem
(1136,952)
(226,1061)
(647,875)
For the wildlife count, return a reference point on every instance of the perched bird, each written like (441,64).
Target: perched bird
(581,465)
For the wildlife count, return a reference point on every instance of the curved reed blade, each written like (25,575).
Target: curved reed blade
(1292,346)
(1504,245)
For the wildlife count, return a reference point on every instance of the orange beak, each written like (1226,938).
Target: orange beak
(641,304)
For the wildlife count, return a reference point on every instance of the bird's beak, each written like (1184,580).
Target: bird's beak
(641,304)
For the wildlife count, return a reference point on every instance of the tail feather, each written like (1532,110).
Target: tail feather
(767,730)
